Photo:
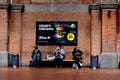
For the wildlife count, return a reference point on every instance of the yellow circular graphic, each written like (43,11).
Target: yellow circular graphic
(70,36)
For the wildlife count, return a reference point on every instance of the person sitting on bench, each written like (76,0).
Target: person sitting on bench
(59,56)
(36,57)
(77,56)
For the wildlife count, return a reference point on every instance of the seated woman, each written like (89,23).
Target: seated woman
(36,57)
(58,58)
(77,56)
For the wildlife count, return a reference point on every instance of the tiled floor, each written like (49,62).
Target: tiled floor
(29,73)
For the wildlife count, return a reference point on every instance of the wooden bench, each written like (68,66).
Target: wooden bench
(67,62)
(50,63)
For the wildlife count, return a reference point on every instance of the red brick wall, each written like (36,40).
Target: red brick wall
(29,1)
(22,30)
(48,1)
(3,31)
(109,31)
(29,26)
(87,1)
(89,31)
(21,1)
(95,32)
(15,33)
(118,34)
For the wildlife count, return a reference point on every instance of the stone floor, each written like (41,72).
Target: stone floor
(30,73)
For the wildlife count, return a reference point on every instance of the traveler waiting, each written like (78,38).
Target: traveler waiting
(36,57)
(77,56)
(59,56)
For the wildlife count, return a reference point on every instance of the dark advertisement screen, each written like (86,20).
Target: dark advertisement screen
(56,33)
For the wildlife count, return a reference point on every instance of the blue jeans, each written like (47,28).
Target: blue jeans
(34,60)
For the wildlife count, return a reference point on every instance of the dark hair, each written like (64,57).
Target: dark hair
(75,48)
(36,47)
(59,46)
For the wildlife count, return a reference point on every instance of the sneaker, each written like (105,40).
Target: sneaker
(80,64)
(77,67)
(56,66)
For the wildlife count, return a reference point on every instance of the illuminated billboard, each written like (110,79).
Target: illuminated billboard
(56,33)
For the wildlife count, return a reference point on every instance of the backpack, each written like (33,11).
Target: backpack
(37,56)
(74,65)
(59,56)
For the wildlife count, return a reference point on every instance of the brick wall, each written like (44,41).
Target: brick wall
(46,1)
(3,31)
(22,30)
(109,31)
(29,26)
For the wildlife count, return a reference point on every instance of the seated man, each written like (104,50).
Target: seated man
(77,56)
(58,57)
(36,57)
